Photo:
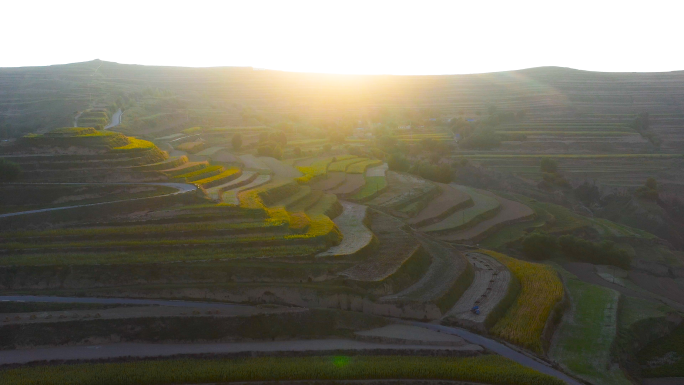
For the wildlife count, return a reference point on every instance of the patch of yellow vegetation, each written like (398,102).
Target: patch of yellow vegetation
(541,288)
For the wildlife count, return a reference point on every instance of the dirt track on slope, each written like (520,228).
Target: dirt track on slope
(488,288)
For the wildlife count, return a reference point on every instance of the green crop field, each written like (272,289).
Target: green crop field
(374,185)
(487,369)
(633,310)
(586,335)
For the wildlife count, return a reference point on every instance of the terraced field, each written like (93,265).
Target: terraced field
(449,201)
(231,196)
(396,247)
(586,335)
(332,181)
(216,192)
(446,279)
(342,165)
(541,289)
(608,170)
(509,212)
(402,190)
(356,236)
(484,206)
(185,168)
(352,184)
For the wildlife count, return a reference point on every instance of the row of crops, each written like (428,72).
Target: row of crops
(541,290)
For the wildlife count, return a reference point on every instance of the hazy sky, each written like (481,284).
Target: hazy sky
(370,37)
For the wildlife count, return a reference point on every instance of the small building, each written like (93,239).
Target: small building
(361,132)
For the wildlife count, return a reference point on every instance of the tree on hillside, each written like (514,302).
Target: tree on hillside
(9,171)
(548,165)
(481,140)
(236,141)
(397,162)
(649,190)
(641,122)
(539,246)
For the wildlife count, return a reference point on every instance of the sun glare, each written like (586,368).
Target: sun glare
(352,37)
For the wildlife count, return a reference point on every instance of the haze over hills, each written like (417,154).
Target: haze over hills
(38,98)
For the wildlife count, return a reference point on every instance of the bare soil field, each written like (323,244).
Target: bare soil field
(253,163)
(587,272)
(120,350)
(281,171)
(396,246)
(351,185)
(407,334)
(356,236)
(489,287)
(377,170)
(510,211)
(231,196)
(137,312)
(445,204)
(401,188)
(664,381)
(485,205)
(244,179)
(333,180)
(671,288)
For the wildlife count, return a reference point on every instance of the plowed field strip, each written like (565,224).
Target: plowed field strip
(244,179)
(333,180)
(511,211)
(352,184)
(281,171)
(440,207)
(355,234)
(447,265)
(402,189)
(396,246)
(489,287)
(231,196)
(377,171)
(482,205)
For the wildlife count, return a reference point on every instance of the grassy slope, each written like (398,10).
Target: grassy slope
(669,350)
(585,337)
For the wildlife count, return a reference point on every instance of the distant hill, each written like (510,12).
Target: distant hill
(37,98)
